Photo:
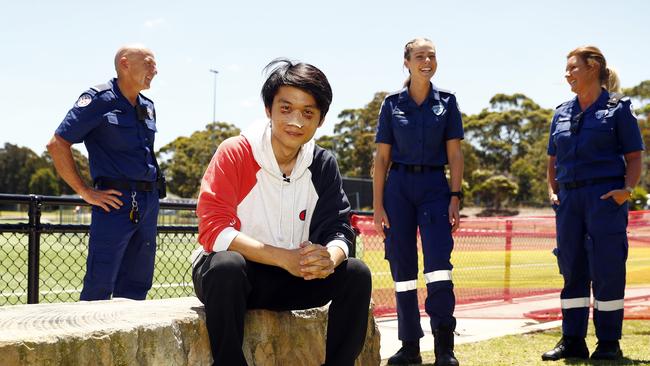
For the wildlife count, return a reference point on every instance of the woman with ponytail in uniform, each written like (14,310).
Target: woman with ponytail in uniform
(418,133)
(594,162)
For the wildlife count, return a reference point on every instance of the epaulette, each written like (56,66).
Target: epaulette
(101,87)
(445,91)
(564,103)
(614,98)
(144,97)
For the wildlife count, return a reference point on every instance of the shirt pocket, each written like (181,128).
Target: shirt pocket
(562,135)
(121,131)
(600,134)
(405,132)
(150,131)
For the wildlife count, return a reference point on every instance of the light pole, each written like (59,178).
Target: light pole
(214,104)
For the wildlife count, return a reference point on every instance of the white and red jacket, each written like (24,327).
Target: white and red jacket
(243,190)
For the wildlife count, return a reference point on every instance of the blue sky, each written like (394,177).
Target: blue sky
(54,50)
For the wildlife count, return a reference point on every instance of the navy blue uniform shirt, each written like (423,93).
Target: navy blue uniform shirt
(119,145)
(596,149)
(418,134)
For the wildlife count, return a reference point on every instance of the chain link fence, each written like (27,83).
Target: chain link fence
(44,241)
(44,246)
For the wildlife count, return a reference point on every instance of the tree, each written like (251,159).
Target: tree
(530,174)
(82,165)
(641,94)
(353,142)
(507,130)
(186,158)
(470,160)
(496,191)
(17,165)
(44,181)
(474,180)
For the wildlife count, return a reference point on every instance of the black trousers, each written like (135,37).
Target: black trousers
(228,285)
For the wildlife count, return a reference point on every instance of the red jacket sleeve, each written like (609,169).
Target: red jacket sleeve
(230,176)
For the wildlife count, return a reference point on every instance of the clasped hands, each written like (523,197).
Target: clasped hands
(310,261)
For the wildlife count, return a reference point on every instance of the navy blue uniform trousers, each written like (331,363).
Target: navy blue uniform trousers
(121,254)
(419,200)
(592,251)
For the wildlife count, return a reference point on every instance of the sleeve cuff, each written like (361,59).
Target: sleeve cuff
(341,244)
(225,237)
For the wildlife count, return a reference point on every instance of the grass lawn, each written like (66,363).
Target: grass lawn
(526,349)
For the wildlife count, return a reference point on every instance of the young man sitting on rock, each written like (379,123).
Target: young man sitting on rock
(274,224)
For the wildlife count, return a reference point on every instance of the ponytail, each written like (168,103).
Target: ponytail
(613,83)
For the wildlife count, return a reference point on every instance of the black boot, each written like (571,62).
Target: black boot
(607,350)
(567,347)
(409,354)
(444,346)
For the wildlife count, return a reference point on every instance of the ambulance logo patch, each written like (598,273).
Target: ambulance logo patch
(150,112)
(302,215)
(438,109)
(84,100)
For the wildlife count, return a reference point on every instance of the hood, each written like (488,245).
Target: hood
(258,135)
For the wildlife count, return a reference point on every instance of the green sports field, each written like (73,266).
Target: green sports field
(480,269)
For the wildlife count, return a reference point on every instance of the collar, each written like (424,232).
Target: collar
(599,103)
(404,97)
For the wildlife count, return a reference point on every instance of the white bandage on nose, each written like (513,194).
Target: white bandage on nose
(294,124)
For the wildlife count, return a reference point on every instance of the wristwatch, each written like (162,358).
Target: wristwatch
(458,194)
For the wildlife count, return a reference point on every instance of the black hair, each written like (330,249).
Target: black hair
(300,75)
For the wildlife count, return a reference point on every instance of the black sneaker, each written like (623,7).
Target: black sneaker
(607,350)
(568,347)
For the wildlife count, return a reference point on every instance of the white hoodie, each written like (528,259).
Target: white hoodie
(243,190)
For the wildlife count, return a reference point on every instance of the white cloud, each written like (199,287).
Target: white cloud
(152,23)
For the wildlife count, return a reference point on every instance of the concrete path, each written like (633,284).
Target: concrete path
(485,320)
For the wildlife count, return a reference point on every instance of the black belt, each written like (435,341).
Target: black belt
(125,185)
(416,168)
(590,182)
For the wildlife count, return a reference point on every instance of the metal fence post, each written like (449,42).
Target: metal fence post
(507,296)
(34,249)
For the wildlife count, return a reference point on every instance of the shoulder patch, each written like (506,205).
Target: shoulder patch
(84,100)
(633,112)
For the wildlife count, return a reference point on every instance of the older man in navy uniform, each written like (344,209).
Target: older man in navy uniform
(117,124)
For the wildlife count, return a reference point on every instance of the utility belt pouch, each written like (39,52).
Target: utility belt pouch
(162,186)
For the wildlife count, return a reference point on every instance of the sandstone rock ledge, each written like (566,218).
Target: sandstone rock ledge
(158,332)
